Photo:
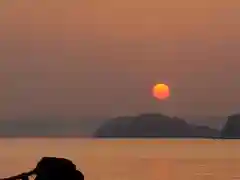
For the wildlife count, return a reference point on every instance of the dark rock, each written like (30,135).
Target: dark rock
(231,130)
(152,125)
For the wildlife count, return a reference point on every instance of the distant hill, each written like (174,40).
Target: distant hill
(49,127)
(145,125)
(153,125)
(231,130)
(215,122)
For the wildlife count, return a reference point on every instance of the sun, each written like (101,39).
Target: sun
(161,91)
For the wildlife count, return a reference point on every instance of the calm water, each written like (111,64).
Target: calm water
(129,159)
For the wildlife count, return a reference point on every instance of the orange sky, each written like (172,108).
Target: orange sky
(102,57)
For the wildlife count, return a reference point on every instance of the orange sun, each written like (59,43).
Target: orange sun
(161,91)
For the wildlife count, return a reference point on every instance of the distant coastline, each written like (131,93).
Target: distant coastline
(146,126)
(162,126)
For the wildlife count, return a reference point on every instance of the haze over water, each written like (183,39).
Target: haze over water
(129,159)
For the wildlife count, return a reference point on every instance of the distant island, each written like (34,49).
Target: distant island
(231,130)
(161,126)
(148,125)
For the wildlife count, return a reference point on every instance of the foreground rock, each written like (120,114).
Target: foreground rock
(153,125)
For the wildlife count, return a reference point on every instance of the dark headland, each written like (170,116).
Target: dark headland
(161,126)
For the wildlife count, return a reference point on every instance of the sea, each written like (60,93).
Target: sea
(128,159)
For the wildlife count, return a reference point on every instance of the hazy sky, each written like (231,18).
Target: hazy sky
(101,57)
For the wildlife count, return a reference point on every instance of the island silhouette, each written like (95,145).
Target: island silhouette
(162,126)
(147,125)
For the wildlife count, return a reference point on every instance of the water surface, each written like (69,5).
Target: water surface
(129,159)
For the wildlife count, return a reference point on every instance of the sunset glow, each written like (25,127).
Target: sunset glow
(161,91)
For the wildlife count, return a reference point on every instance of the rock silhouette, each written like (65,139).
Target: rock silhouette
(152,125)
(231,130)
(52,168)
